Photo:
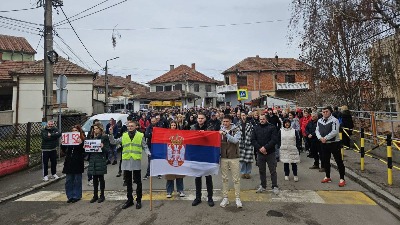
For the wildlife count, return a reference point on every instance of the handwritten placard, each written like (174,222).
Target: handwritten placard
(92,145)
(70,138)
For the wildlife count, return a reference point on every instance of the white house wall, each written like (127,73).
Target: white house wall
(31,99)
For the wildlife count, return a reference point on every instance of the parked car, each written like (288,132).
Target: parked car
(104,119)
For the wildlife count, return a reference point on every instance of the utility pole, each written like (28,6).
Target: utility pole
(48,66)
(106,85)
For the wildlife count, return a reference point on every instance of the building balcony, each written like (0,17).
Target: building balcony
(227,88)
(211,95)
(292,86)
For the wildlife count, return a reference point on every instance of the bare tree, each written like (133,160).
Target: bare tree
(335,38)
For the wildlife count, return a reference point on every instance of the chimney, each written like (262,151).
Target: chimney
(276,58)
(171,67)
(194,66)
(257,56)
(129,77)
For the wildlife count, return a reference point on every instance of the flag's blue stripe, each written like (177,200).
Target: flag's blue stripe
(198,153)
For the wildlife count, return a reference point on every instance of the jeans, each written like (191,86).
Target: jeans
(179,185)
(234,165)
(112,153)
(245,167)
(52,155)
(136,179)
(271,161)
(287,170)
(73,186)
(209,184)
(334,149)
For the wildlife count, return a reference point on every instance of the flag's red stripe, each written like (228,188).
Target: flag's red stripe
(203,138)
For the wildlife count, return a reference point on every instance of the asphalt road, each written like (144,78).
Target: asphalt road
(304,202)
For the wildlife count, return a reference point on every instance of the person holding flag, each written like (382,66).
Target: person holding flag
(133,143)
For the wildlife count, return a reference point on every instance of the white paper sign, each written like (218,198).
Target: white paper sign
(70,138)
(92,145)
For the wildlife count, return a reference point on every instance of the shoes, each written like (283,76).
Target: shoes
(239,203)
(314,167)
(286,178)
(90,183)
(244,176)
(169,195)
(224,202)
(138,205)
(275,190)
(101,199)
(114,162)
(322,170)
(196,201)
(260,189)
(296,178)
(159,176)
(127,204)
(277,159)
(55,177)
(45,178)
(124,184)
(146,177)
(342,183)
(326,180)
(94,199)
(248,176)
(108,162)
(70,200)
(210,202)
(182,194)
(119,174)
(75,200)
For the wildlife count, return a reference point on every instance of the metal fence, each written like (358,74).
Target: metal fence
(25,139)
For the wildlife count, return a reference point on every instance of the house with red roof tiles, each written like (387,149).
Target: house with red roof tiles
(124,94)
(183,86)
(279,77)
(15,49)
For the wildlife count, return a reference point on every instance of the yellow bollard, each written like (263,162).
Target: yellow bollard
(389,159)
(341,144)
(362,150)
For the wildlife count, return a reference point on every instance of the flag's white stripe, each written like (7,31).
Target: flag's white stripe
(188,168)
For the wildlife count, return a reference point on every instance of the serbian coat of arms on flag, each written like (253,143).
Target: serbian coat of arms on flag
(184,152)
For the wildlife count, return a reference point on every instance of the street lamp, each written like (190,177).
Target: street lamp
(106,84)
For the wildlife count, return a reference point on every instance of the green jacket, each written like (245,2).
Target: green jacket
(98,160)
(52,142)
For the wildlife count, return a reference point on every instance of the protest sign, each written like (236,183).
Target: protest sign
(70,138)
(92,146)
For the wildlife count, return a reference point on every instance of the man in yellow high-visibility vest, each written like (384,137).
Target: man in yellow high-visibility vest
(133,143)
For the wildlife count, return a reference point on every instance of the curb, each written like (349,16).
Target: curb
(33,188)
(392,202)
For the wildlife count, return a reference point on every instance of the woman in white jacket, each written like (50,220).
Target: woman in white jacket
(290,142)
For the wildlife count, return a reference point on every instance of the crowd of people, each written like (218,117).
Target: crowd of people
(264,136)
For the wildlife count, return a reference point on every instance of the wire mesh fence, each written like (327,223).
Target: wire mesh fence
(25,139)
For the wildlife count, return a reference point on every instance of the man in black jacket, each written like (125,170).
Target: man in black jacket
(50,141)
(202,125)
(273,119)
(264,139)
(315,147)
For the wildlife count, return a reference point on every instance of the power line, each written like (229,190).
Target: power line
(69,57)
(72,51)
(17,10)
(180,27)
(13,28)
(69,21)
(81,12)
(21,26)
(22,21)
(79,37)
(41,36)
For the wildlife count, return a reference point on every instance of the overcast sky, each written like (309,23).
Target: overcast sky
(145,52)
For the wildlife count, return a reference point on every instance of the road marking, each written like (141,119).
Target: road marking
(295,196)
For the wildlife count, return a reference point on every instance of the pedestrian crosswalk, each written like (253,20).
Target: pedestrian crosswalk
(291,196)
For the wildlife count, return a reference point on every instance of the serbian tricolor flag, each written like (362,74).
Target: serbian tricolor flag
(185,152)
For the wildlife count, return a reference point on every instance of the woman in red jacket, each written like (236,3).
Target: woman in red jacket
(303,124)
(144,123)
